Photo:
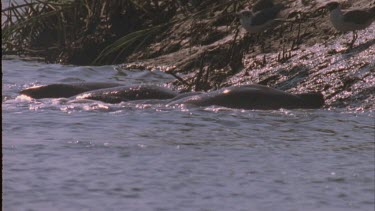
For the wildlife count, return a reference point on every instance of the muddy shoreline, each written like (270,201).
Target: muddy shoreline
(305,56)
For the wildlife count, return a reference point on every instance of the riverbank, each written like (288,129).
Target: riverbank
(208,50)
(316,60)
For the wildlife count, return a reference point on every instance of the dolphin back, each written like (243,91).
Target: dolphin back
(312,100)
(128,93)
(255,97)
(63,90)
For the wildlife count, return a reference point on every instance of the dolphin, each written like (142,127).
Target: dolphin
(254,96)
(128,93)
(64,90)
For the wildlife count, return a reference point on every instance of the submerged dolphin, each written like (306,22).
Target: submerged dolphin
(241,97)
(64,90)
(128,93)
(253,97)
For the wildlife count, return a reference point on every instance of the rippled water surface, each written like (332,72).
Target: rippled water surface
(61,155)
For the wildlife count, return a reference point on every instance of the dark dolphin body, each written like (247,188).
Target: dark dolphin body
(241,97)
(128,93)
(254,97)
(64,90)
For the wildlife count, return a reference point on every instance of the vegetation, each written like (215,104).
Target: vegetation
(97,31)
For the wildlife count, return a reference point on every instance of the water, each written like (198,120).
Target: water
(59,155)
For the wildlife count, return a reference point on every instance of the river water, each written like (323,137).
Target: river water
(60,155)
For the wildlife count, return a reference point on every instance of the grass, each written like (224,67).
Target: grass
(95,31)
